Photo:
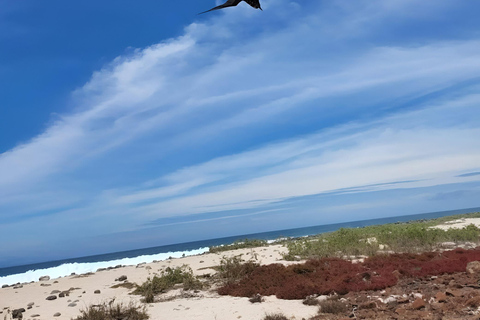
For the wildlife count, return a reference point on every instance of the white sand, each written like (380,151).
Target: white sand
(459,223)
(207,305)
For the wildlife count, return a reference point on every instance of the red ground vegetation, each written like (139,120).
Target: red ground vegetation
(330,275)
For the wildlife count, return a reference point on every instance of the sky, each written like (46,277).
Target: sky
(126,125)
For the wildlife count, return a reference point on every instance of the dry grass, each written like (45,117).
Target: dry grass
(275,316)
(332,306)
(113,312)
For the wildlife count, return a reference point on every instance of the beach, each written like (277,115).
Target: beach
(205,304)
(76,292)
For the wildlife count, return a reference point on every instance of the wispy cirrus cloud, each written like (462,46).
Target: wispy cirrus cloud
(242,113)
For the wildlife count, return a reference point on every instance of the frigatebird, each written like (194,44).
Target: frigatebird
(232,3)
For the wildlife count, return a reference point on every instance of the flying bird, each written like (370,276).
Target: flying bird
(232,3)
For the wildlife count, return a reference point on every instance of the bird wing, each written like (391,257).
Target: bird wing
(229,3)
(254,3)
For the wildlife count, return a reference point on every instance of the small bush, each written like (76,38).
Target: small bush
(333,306)
(275,316)
(234,269)
(113,312)
(169,278)
(310,301)
(256,299)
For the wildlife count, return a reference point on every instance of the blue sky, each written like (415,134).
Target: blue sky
(127,125)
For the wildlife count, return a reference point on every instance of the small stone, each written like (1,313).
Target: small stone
(18,313)
(473,302)
(441,297)
(35,315)
(73,304)
(45,285)
(121,278)
(97,292)
(403,300)
(473,267)
(31,304)
(396,274)
(367,305)
(57,314)
(400,311)
(51,297)
(418,304)
(44,278)
(18,286)
(5,286)
(55,291)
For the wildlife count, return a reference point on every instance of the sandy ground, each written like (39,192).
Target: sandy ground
(203,305)
(459,223)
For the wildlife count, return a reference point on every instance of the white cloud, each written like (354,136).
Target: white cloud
(184,124)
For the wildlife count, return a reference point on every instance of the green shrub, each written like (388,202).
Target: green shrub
(239,244)
(400,237)
(169,278)
(234,269)
(113,312)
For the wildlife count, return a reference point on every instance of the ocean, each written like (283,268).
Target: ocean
(61,268)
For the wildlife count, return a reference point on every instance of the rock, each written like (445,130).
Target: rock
(45,285)
(35,315)
(18,313)
(63,294)
(396,274)
(55,291)
(368,305)
(473,267)
(57,314)
(389,300)
(5,286)
(30,304)
(418,304)
(473,302)
(400,311)
(121,278)
(97,292)
(18,286)
(73,304)
(44,278)
(51,297)
(441,297)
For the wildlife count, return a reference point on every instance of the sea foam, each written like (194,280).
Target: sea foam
(86,267)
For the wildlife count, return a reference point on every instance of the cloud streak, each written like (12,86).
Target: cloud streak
(235,114)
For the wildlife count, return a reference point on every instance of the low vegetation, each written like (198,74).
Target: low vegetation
(368,241)
(167,280)
(328,275)
(231,270)
(239,244)
(113,312)
(275,316)
(332,305)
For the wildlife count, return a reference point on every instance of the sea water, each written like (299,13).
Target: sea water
(61,268)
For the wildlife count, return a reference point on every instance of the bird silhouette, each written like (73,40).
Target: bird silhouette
(232,3)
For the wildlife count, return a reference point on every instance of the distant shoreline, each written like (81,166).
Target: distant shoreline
(177,250)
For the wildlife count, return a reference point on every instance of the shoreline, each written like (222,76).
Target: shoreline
(99,288)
